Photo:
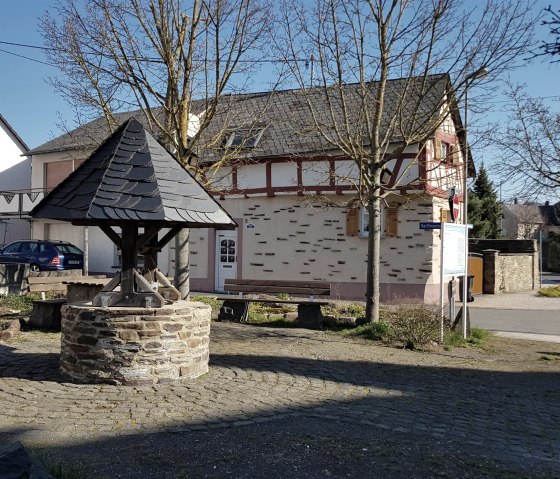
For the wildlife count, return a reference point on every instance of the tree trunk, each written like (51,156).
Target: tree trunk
(374,249)
(182,280)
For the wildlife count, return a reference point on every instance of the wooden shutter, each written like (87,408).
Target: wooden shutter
(444,215)
(353,222)
(455,154)
(437,149)
(391,221)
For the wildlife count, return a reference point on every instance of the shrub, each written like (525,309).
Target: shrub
(414,325)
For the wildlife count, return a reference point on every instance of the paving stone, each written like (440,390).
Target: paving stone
(258,375)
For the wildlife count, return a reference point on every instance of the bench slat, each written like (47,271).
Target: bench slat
(277,283)
(38,288)
(239,299)
(277,289)
(60,279)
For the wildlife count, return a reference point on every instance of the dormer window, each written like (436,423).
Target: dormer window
(244,138)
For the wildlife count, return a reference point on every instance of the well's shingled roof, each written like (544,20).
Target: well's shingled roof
(132,177)
(286,117)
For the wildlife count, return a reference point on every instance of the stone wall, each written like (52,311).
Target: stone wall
(135,346)
(12,278)
(510,272)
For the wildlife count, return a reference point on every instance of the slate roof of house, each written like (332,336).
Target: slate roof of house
(529,213)
(132,177)
(285,117)
(551,214)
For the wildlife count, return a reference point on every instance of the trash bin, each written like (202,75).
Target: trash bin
(470,297)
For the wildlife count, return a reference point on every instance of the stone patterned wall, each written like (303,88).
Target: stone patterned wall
(135,346)
(299,238)
(506,273)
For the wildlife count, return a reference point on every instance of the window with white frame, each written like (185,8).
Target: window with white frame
(364,221)
(444,151)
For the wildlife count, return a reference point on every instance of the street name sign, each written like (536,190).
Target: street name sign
(429,225)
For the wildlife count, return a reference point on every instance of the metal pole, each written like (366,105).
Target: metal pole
(86,251)
(465,213)
(468,80)
(540,257)
(441,292)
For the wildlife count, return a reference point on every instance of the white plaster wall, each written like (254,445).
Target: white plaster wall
(198,254)
(441,175)
(408,172)
(10,149)
(251,176)
(222,179)
(346,172)
(284,174)
(298,239)
(315,173)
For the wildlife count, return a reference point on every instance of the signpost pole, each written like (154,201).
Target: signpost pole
(441,302)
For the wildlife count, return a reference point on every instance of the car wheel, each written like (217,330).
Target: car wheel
(34,268)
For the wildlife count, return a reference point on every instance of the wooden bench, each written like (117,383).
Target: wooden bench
(236,308)
(46,312)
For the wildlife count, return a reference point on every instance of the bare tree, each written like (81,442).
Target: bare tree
(528,147)
(551,48)
(359,46)
(172,59)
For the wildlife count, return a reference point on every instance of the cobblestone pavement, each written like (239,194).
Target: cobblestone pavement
(507,409)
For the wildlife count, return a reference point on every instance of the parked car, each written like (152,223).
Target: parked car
(45,255)
(9,259)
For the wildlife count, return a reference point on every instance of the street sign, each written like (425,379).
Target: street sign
(454,207)
(429,225)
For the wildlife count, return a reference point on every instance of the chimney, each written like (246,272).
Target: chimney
(547,203)
(515,201)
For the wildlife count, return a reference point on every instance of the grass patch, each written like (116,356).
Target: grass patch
(550,291)
(356,310)
(454,339)
(478,338)
(23,303)
(373,331)
(211,301)
(265,314)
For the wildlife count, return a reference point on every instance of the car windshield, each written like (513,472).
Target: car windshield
(67,248)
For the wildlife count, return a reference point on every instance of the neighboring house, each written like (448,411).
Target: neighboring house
(532,221)
(15,182)
(293,198)
(521,221)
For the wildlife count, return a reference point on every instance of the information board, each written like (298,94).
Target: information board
(453,249)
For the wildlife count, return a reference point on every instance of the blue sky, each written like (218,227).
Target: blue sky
(34,109)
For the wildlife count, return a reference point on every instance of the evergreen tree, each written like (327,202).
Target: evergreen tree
(484,209)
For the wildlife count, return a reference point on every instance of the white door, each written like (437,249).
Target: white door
(226,257)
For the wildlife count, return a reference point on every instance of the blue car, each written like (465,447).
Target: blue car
(45,255)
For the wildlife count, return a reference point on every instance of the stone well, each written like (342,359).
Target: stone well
(135,346)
